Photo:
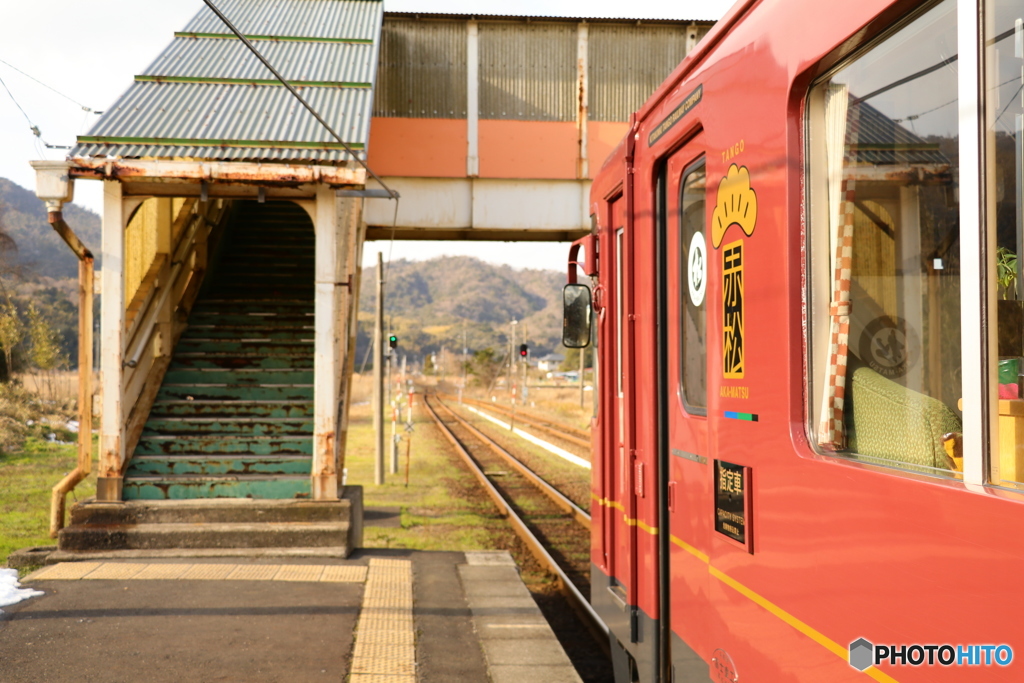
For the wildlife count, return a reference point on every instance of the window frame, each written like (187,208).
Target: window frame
(977,293)
(683,288)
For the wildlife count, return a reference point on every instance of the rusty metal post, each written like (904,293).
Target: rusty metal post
(582,100)
(58,498)
(327,336)
(378,375)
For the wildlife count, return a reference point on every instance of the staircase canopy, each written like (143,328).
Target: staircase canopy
(207,98)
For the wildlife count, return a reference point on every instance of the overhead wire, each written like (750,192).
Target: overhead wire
(49,87)
(33,127)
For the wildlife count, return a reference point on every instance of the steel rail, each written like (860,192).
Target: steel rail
(556,496)
(575,598)
(570,434)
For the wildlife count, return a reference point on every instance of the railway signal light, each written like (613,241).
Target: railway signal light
(392,341)
(524,350)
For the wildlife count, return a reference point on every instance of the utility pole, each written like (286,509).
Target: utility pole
(512,373)
(378,375)
(512,356)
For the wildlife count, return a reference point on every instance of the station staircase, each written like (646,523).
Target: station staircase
(234,416)
(225,456)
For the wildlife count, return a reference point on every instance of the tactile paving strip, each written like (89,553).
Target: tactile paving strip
(65,571)
(348,573)
(254,572)
(385,649)
(114,570)
(73,571)
(163,571)
(299,572)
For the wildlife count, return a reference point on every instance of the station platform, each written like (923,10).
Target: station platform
(381,616)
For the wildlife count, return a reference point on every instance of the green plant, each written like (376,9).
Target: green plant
(1006,272)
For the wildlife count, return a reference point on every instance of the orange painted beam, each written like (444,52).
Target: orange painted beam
(436,148)
(423,148)
(528,149)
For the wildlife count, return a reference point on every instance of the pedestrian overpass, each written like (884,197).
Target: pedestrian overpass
(234,223)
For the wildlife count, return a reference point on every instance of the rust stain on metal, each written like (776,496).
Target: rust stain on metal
(325,446)
(284,175)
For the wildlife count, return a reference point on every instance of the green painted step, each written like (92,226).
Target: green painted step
(256,426)
(236,332)
(232,409)
(207,465)
(270,347)
(202,318)
(226,445)
(258,377)
(242,362)
(224,486)
(237,393)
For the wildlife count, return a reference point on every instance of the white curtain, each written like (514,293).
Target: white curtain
(831,428)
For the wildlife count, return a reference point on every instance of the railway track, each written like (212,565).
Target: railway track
(554,529)
(577,437)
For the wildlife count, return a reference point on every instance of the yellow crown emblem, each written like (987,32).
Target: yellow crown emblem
(737,205)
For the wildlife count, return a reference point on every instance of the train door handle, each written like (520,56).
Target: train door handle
(671,496)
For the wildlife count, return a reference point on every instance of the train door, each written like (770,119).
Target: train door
(620,538)
(684,397)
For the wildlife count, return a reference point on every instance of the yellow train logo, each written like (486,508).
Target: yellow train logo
(736,205)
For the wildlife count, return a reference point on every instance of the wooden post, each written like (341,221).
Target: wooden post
(353,274)
(165,320)
(326,338)
(112,319)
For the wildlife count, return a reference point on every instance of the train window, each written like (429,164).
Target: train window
(692,220)
(885,251)
(1004,83)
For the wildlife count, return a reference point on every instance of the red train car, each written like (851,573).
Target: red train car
(809,448)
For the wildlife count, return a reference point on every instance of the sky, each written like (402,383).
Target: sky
(90,51)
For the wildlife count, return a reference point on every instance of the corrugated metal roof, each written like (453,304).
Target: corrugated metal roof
(218,58)
(216,121)
(535,17)
(309,18)
(194,118)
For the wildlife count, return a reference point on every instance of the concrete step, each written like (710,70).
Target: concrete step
(154,536)
(193,464)
(215,511)
(179,487)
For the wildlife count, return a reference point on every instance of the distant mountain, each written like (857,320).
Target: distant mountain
(40,250)
(430,303)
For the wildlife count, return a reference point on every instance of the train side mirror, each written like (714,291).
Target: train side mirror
(576,316)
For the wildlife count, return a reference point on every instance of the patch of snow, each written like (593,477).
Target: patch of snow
(11,591)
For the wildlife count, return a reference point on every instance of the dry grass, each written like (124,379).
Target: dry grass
(59,387)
